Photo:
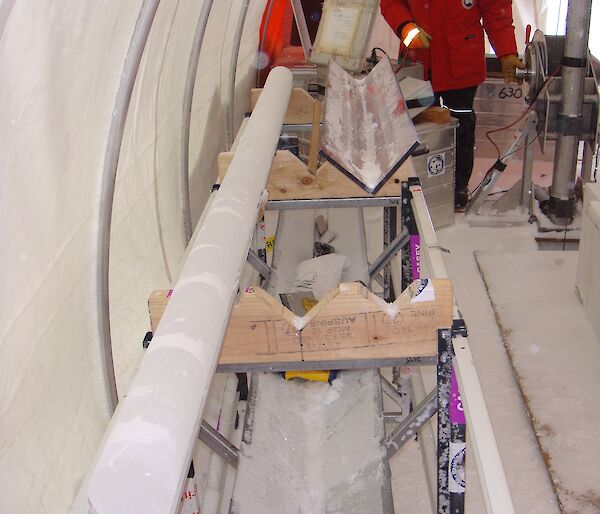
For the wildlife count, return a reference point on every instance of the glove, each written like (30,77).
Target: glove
(509,64)
(414,37)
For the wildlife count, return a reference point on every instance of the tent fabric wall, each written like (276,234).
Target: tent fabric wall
(147,239)
(61,63)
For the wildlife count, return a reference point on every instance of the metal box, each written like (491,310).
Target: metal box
(435,169)
(498,105)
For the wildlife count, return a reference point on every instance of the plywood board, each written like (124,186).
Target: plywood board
(350,323)
(290,179)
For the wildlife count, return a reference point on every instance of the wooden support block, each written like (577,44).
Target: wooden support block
(350,323)
(157,303)
(434,114)
(290,179)
(300,109)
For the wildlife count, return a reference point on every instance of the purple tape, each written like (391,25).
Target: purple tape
(457,414)
(415,256)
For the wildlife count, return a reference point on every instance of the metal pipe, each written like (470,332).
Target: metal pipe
(574,68)
(261,61)
(219,444)
(587,99)
(427,440)
(235,51)
(302,28)
(412,424)
(588,163)
(186,119)
(107,189)
(391,392)
(146,454)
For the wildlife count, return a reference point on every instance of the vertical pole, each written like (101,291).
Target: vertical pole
(451,432)
(458,447)
(526,184)
(389,234)
(302,27)
(444,374)
(411,270)
(570,116)
(588,163)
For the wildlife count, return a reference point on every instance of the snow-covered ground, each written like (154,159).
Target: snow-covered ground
(515,297)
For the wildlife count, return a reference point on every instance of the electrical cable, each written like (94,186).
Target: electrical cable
(380,49)
(547,82)
(489,171)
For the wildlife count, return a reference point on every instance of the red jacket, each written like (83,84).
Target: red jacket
(456,57)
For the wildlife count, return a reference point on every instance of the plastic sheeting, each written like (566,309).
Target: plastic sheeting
(60,63)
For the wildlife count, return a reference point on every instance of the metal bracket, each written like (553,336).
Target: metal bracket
(219,444)
(391,392)
(451,444)
(394,247)
(569,125)
(393,417)
(459,328)
(522,139)
(411,425)
(259,265)
(147,340)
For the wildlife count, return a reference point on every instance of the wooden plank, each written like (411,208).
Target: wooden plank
(350,323)
(300,109)
(434,114)
(157,303)
(291,180)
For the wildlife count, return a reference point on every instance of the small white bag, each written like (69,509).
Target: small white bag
(320,274)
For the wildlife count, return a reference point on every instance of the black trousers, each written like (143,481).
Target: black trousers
(460,103)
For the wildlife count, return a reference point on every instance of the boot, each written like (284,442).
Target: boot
(461,198)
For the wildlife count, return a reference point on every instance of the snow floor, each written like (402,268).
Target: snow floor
(556,355)
(314,448)
(508,292)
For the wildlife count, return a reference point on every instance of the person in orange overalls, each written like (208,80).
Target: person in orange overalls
(447,37)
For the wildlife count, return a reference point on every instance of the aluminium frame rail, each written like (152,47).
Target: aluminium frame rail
(494,486)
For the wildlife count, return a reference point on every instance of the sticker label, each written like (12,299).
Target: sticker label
(436,165)
(415,256)
(425,291)
(457,413)
(269,243)
(456,479)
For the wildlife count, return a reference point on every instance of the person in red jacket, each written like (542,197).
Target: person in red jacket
(447,37)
